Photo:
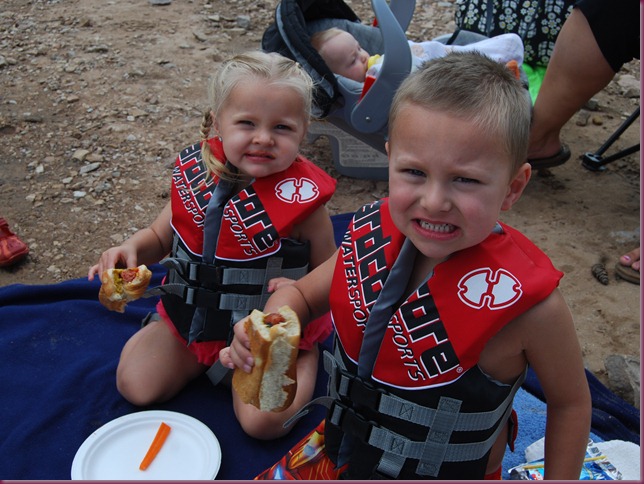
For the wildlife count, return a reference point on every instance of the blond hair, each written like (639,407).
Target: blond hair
(254,66)
(474,87)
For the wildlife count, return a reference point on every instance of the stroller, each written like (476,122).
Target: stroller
(354,121)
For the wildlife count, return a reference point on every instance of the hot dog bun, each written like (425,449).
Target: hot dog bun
(120,286)
(274,340)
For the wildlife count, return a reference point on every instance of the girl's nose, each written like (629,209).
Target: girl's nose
(262,137)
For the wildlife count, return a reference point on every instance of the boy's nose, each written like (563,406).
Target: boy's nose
(436,199)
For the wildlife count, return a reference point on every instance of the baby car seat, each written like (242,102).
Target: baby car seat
(356,125)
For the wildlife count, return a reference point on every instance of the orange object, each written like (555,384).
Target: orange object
(155,446)
(514,68)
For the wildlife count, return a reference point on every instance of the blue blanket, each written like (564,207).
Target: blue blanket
(60,349)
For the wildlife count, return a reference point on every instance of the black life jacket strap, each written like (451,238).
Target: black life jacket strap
(441,422)
(360,392)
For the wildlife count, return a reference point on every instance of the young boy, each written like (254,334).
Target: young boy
(439,308)
(344,56)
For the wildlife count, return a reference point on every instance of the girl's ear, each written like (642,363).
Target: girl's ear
(516,186)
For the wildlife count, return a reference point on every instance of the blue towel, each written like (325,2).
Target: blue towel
(60,348)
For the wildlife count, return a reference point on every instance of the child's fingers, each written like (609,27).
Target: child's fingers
(241,356)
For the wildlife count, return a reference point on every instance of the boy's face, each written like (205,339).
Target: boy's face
(448,181)
(344,56)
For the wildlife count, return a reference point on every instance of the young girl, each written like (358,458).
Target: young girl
(273,227)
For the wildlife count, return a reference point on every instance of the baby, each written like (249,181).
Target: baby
(344,56)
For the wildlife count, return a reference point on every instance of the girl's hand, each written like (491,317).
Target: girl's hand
(276,283)
(238,354)
(122,255)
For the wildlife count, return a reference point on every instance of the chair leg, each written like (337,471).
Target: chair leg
(596,162)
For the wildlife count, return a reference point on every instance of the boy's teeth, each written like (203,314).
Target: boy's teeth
(436,227)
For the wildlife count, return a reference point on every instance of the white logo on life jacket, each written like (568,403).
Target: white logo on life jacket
(494,289)
(294,190)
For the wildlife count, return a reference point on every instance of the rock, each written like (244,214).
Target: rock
(79,155)
(629,85)
(624,377)
(88,168)
(582,118)
(243,21)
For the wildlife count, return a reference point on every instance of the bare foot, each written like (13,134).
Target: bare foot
(631,259)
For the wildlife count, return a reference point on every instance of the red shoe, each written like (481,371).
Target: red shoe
(12,249)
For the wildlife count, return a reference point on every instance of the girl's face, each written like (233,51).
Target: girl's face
(261,127)
(448,181)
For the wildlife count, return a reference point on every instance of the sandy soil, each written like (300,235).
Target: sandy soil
(97,97)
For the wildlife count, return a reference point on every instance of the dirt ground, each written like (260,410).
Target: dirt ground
(97,97)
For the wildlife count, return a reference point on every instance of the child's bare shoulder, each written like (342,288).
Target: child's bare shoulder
(513,347)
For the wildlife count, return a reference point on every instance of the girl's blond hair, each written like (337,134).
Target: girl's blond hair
(254,66)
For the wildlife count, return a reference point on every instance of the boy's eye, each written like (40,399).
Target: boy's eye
(414,172)
(463,179)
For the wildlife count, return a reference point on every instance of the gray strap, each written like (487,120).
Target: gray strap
(306,409)
(437,441)
(240,302)
(217,372)
(394,406)
(382,310)
(234,275)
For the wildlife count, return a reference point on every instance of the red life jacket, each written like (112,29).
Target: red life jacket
(254,233)
(428,356)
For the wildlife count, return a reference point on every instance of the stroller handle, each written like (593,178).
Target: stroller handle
(368,115)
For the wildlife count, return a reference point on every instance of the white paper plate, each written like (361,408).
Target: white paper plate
(114,451)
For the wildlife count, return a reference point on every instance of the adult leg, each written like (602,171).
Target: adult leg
(577,71)
(155,365)
(269,425)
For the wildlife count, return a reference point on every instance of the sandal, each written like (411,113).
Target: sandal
(557,159)
(12,249)
(627,273)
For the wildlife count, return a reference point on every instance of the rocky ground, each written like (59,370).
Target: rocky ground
(97,97)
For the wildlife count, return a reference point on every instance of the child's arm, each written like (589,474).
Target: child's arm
(147,246)
(308,297)
(553,351)
(318,230)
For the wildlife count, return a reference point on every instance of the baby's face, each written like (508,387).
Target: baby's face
(345,57)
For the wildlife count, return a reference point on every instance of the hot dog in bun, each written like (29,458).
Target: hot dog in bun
(120,286)
(274,340)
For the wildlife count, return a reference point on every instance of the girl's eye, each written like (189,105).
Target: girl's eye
(283,127)
(245,122)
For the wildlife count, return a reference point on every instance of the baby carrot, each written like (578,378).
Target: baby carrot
(155,446)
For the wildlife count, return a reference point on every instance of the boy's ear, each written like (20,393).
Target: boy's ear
(516,186)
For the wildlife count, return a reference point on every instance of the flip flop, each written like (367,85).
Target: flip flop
(627,273)
(555,160)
